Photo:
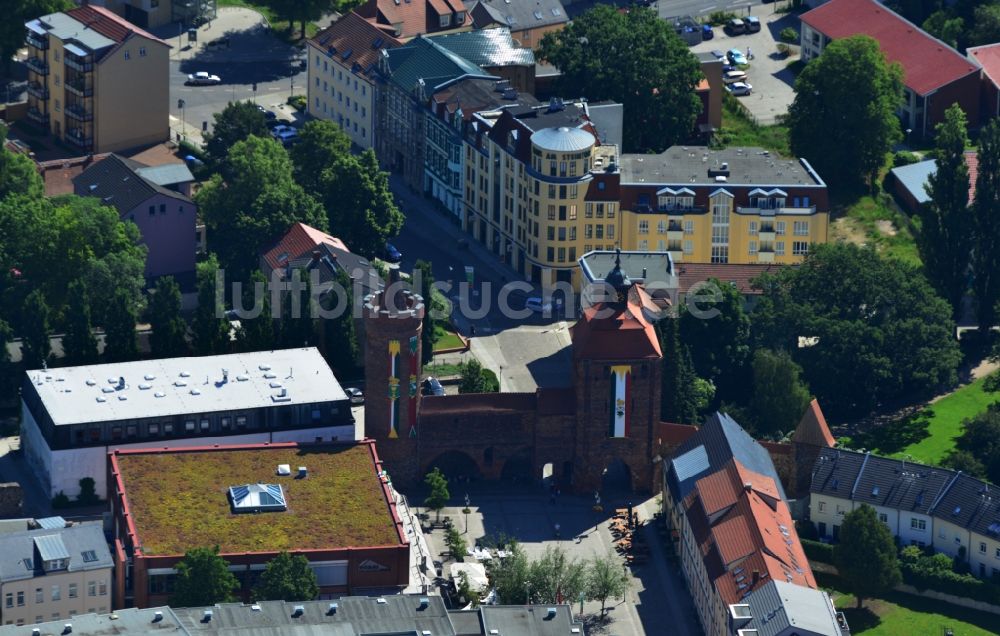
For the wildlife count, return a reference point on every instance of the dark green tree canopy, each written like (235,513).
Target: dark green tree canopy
(477,379)
(236,122)
(780,396)
(203,578)
(287,578)
(35,346)
(169,337)
(15,14)
(210,326)
(438,497)
(986,228)
(852,90)
(634,58)
(866,555)
(119,331)
(341,341)
(719,340)
(18,173)
(79,342)
(256,334)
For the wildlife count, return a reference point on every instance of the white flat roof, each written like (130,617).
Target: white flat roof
(180,386)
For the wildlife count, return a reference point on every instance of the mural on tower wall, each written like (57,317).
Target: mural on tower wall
(414,341)
(394,389)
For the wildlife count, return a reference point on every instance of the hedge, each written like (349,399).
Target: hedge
(922,575)
(817,551)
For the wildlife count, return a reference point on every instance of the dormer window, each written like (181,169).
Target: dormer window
(51,552)
(446,20)
(460,17)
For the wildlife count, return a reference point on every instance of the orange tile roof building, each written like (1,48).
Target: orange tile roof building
(405,19)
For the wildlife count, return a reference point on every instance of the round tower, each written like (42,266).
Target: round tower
(393,319)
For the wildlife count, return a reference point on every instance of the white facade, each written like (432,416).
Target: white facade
(342,96)
(827,514)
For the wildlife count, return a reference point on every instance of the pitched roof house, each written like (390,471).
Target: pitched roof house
(406,19)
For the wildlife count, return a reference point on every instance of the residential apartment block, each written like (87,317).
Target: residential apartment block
(405,19)
(54,571)
(97,81)
(341,61)
(528,20)
(739,550)
(494,50)
(153,14)
(935,75)
(737,205)
(954,513)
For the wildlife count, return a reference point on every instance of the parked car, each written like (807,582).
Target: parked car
(736,27)
(268,115)
(752,24)
(355,395)
(731,77)
(392,254)
(739,88)
(202,78)
(285,134)
(431,386)
(537,305)
(718,54)
(736,57)
(706,32)
(728,67)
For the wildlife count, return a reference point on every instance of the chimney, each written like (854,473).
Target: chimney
(747,486)
(643,273)
(756,578)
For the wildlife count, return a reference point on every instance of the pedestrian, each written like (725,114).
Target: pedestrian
(472,330)
(749,54)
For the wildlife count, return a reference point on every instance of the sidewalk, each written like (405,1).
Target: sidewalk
(250,39)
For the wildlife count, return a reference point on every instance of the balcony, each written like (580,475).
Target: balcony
(811,209)
(38,65)
(38,116)
(765,256)
(76,111)
(767,233)
(675,232)
(79,138)
(79,88)
(40,42)
(84,66)
(38,91)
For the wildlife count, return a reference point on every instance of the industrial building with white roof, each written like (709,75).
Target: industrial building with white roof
(72,417)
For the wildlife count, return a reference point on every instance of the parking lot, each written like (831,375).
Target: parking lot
(768,73)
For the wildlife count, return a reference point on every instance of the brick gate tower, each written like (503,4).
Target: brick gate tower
(616,356)
(393,324)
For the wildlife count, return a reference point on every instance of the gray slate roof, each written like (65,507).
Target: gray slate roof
(688,165)
(719,440)
(116,181)
(423,59)
(786,609)
(487,47)
(914,178)
(71,542)
(609,119)
(518,14)
(166,174)
(123,621)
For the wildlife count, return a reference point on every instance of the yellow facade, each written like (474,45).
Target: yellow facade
(103,101)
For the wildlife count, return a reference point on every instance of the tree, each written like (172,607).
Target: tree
(866,555)
(456,543)
(945,237)
(287,578)
(850,88)
(119,329)
(169,336)
(35,345)
(945,28)
(341,339)
(236,122)
(352,188)
(210,327)
(605,579)
(780,397)
(18,173)
(79,342)
(438,498)
(642,64)
(986,255)
(297,326)
(678,396)
(477,379)
(16,13)
(966,462)
(464,590)
(9,377)
(257,202)
(510,576)
(556,578)
(873,328)
(428,334)
(978,447)
(203,578)
(256,334)
(720,342)
(985,25)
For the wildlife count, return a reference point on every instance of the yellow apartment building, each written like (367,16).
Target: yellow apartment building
(96,81)
(737,205)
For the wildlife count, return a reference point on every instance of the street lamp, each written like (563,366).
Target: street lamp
(466,510)
(527,593)
(625,579)
(181,104)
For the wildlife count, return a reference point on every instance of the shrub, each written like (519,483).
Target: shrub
(937,573)
(904,158)
(719,18)
(817,551)
(806,530)
(60,500)
(298,102)
(789,35)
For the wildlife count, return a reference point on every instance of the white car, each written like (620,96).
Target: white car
(740,88)
(731,77)
(284,134)
(201,78)
(355,395)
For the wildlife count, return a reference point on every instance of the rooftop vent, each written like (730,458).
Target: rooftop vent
(332,609)
(195,392)
(68,628)
(242,378)
(101,399)
(255,608)
(36,632)
(91,383)
(185,374)
(159,394)
(264,367)
(303,472)
(550,612)
(381,601)
(424,603)
(149,377)
(298,610)
(157,617)
(206,616)
(145,387)
(284,470)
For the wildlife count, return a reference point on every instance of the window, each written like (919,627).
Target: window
(131,431)
(753,247)
(56,594)
(152,210)
(550,254)
(572,212)
(921,524)
(241,421)
(562,254)
(142,51)
(446,20)
(92,588)
(611,232)
(643,227)
(128,54)
(72,590)
(168,428)
(58,106)
(588,232)
(643,245)
(163,208)
(102,588)
(89,556)
(189,425)
(779,228)
(800,228)
(550,233)
(552,213)
(982,547)
(39,595)
(204,425)
(661,227)
(822,506)
(779,248)
(588,211)
(883,517)
(562,234)
(689,227)
(800,248)
(20,598)
(8,599)
(688,247)
(599,231)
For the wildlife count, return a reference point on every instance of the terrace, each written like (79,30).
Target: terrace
(179,499)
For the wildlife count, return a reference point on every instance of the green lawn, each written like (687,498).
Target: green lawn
(739,130)
(446,339)
(869,221)
(944,422)
(905,614)
(443,370)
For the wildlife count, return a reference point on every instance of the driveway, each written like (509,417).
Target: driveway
(768,72)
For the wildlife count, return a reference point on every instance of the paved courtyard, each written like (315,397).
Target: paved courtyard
(768,73)
(657,595)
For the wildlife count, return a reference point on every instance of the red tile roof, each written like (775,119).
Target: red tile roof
(928,63)
(745,532)
(297,242)
(812,429)
(988,57)
(604,186)
(353,34)
(673,434)
(689,274)
(412,15)
(58,174)
(605,332)
(108,24)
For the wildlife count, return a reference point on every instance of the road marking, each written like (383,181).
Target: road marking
(708,8)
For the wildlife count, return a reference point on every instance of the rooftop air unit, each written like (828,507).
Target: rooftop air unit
(206,616)
(303,472)
(298,610)
(332,609)
(157,617)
